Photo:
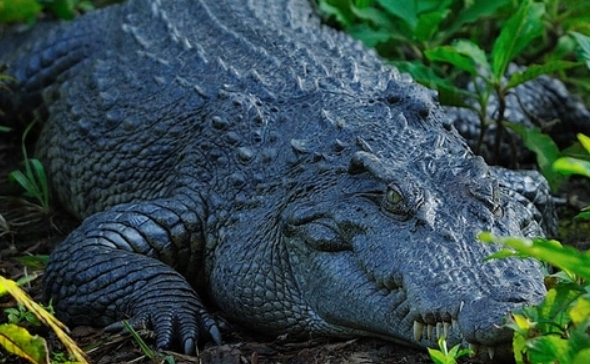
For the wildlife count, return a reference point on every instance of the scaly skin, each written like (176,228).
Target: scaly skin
(241,149)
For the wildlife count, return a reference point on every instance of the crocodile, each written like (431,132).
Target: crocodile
(241,156)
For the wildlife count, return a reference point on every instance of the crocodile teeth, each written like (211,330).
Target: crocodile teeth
(438,329)
(430,332)
(473,348)
(418,328)
(446,328)
(491,353)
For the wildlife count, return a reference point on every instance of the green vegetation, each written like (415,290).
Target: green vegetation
(33,180)
(27,11)
(445,356)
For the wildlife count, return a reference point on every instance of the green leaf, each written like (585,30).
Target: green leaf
(450,55)
(519,31)
(568,166)
(474,52)
(18,341)
(535,71)
(502,254)
(585,141)
(478,10)
(518,346)
(19,11)
(428,25)
(63,9)
(583,51)
(582,357)
(339,9)
(33,261)
(546,349)
(378,18)
(550,251)
(583,216)
(369,36)
(405,10)
(4,129)
(437,356)
(361,4)
(544,148)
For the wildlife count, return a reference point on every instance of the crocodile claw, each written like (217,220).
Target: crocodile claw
(175,326)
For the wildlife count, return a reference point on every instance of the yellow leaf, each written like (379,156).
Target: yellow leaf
(19,341)
(45,317)
(585,141)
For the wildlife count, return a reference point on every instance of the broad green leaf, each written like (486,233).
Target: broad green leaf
(361,4)
(535,71)
(584,47)
(550,251)
(519,348)
(402,9)
(428,24)
(546,349)
(450,55)
(544,148)
(438,357)
(474,52)
(19,11)
(18,341)
(427,6)
(583,216)
(582,357)
(568,166)
(517,33)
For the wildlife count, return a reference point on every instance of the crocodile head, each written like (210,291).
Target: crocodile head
(377,236)
(395,254)
(391,249)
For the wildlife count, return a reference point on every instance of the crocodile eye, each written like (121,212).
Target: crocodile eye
(393,196)
(395,202)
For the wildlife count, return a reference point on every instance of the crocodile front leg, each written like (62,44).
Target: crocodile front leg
(123,263)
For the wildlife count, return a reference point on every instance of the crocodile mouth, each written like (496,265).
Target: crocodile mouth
(433,331)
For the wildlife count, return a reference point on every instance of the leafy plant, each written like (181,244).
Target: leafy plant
(556,330)
(20,314)
(446,356)
(33,180)
(19,341)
